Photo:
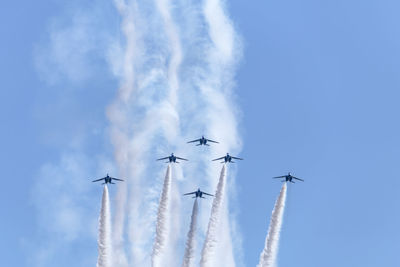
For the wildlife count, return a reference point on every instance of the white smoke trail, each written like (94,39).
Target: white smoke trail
(148,92)
(270,252)
(189,255)
(162,230)
(173,42)
(175,63)
(222,55)
(123,67)
(211,236)
(164,6)
(104,241)
(168,71)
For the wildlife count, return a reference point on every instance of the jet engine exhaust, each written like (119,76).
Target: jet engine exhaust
(191,241)
(269,254)
(104,239)
(211,236)
(162,229)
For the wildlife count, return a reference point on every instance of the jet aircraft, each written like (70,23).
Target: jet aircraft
(172,158)
(203,141)
(227,158)
(108,179)
(288,178)
(198,193)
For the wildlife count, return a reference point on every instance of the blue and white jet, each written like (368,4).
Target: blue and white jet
(108,179)
(198,193)
(172,158)
(203,141)
(288,178)
(228,158)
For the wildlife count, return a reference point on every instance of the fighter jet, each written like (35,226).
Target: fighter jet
(288,178)
(108,180)
(172,158)
(198,193)
(203,141)
(227,158)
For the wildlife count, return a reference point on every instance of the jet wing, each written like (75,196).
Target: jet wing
(284,176)
(218,158)
(197,140)
(98,180)
(208,194)
(237,158)
(190,193)
(181,158)
(118,179)
(298,179)
(163,158)
(212,141)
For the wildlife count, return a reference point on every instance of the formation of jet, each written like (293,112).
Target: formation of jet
(108,179)
(172,158)
(227,158)
(203,141)
(198,193)
(288,178)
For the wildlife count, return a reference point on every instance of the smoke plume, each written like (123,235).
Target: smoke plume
(270,252)
(173,57)
(211,236)
(104,241)
(162,230)
(175,64)
(189,256)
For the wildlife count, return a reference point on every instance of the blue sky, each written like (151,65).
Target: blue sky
(318,89)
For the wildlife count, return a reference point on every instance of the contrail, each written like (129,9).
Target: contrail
(104,241)
(148,90)
(211,236)
(191,241)
(223,53)
(121,60)
(162,230)
(164,7)
(173,57)
(175,63)
(268,255)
